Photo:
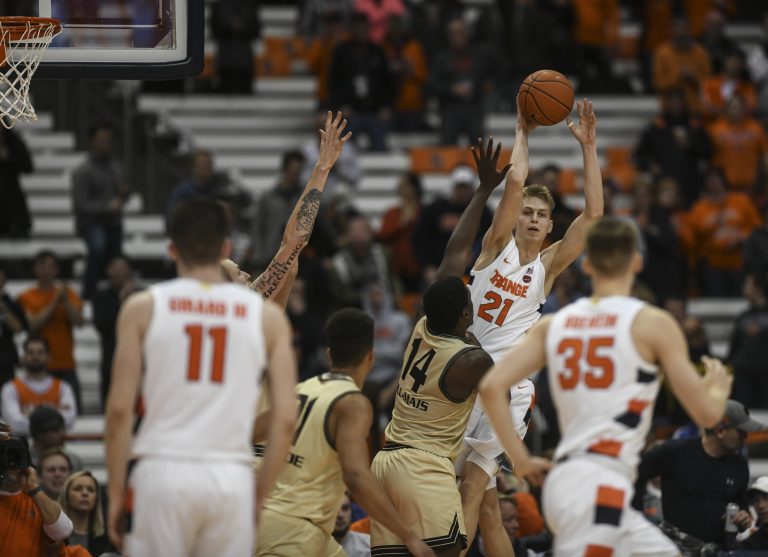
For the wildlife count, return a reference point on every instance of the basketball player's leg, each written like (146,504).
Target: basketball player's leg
(587,506)
(422,486)
(228,530)
(165,519)
(280,535)
(477,478)
(495,538)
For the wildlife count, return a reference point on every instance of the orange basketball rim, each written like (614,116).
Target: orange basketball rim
(23,41)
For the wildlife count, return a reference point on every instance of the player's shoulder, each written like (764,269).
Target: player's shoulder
(473,357)
(654,321)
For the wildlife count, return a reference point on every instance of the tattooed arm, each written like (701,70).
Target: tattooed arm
(276,281)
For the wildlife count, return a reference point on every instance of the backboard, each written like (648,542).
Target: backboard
(124,39)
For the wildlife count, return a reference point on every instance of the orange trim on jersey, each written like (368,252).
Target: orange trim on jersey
(610,497)
(29,399)
(606,447)
(637,406)
(598,551)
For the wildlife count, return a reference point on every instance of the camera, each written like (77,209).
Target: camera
(14,454)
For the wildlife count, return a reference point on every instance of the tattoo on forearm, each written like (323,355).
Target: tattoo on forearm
(269,281)
(310,205)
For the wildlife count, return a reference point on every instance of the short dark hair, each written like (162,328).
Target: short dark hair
(349,336)
(41,340)
(444,301)
(414,179)
(45,455)
(198,228)
(44,254)
(96,128)
(611,243)
(290,156)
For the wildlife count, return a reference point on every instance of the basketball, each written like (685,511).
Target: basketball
(546,97)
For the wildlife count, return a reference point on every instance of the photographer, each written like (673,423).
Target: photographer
(32,524)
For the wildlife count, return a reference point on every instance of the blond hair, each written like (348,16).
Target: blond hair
(96,516)
(542,192)
(611,244)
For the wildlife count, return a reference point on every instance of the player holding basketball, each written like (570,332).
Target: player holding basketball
(434,398)
(603,355)
(276,281)
(203,343)
(329,450)
(510,281)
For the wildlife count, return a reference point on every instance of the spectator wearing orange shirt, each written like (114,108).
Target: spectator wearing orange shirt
(720,223)
(408,65)
(396,232)
(333,31)
(379,12)
(53,310)
(656,17)
(36,387)
(32,524)
(681,62)
(721,88)
(740,145)
(595,34)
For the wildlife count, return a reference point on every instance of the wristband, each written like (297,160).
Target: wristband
(34,491)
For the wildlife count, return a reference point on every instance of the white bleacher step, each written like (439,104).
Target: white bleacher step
(718,330)
(227,104)
(707,308)
(369,162)
(92,452)
(88,425)
(52,203)
(304,85)
(615,125)
(58,161)
(44,121)
(36,183)
(68,247)
(132,224)
(43,140)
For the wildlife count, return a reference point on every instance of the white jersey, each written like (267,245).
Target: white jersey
(204,354)
(507,298)
(604,391)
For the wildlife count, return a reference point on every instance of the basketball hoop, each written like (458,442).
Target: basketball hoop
(23,41)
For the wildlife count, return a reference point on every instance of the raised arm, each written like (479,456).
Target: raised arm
(518,363)
(350,423)
(561,254)
(503,225)
(280,273)
(126,378)
(703,398)
(459,247)
(281,371)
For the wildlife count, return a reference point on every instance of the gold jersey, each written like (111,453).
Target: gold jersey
(425,416)
(310,486)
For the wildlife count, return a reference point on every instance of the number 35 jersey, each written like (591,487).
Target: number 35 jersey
(204,353)
(507,298)
(425,416)
(603,389)
(311,486)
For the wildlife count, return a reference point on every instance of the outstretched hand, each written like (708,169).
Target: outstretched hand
(331,140)
(585,131)
(486,160)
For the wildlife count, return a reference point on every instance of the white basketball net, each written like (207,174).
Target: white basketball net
(25,43)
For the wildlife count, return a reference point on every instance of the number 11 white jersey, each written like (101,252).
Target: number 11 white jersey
(204,354)
(507,298)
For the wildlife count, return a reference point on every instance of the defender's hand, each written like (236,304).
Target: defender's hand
(331,141)
(486,160)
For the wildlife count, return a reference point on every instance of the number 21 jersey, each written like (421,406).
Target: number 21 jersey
(204,354)
(507,298)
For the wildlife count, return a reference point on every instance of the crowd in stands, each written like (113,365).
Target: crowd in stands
(698,196)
